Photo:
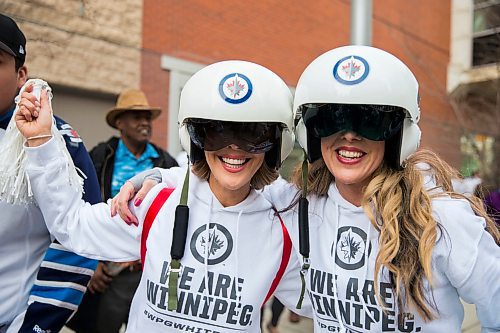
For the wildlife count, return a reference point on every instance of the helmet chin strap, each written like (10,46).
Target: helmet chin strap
(304,231)
(178,243)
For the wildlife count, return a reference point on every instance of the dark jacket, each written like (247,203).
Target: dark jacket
(103,156)
(42,312)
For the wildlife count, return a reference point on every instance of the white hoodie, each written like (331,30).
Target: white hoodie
(465,262)
(220,290)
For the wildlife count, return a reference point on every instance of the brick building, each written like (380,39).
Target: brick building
(474,84)
(181,36)
(91,49)
(87,50)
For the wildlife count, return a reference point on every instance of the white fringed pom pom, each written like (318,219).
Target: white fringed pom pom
(14,182)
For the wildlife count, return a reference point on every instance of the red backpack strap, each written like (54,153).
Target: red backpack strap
(285,257)
(153,210)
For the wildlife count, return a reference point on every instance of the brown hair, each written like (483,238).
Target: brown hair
(400,208)
(264,175)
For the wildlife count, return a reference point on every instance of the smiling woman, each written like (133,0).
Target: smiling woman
(238,148)
(392,247)
(229,249)
(352,160)
(236,136)
(397,245)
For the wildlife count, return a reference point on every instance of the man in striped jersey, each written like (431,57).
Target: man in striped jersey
(41,283)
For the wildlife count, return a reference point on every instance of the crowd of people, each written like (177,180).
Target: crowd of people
(368,235)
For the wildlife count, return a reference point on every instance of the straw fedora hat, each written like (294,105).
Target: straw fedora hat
(130,100)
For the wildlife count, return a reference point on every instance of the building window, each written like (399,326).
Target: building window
(180,72)
(486,32)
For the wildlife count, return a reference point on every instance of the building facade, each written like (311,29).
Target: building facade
(180,37)
(474,85)
(89,50)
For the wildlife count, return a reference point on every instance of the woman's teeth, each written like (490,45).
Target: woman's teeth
(233,162)
(350,154)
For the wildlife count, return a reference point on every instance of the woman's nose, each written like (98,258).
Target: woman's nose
(350,136)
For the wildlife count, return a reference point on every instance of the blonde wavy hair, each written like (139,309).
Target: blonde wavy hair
(400,208)
(264,175)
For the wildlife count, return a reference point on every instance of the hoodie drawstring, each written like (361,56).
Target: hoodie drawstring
(359,292)
(208,246)
(365,274)
(210,240)
(238,292)
(335,295)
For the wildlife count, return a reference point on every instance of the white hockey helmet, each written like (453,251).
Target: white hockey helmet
(360,75)
(237,91)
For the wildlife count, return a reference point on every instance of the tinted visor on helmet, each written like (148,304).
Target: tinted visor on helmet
(374,122)
(212,135)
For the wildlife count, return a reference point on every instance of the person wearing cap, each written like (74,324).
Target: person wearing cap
(107,303)
(41,283)
(386,244)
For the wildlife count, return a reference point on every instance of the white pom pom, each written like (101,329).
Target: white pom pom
(14,183)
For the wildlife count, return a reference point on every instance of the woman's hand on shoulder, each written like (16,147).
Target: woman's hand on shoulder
(119,204)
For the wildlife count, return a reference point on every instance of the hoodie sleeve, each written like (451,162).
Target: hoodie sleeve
(289,289)
(63,276)
(172,177)
(469,257)
(281,193)
(485,272)
(88,230)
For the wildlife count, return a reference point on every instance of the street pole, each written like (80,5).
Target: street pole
(361,22)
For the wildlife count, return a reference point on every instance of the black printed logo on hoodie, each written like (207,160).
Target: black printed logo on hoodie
(215,244)
(350,248)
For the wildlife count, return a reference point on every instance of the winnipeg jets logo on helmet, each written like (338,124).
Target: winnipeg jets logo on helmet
(351,70)
(235,88)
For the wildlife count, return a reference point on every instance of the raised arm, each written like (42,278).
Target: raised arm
(85,229)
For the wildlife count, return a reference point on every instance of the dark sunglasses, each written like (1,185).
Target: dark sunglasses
(212,135)
(374,122)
